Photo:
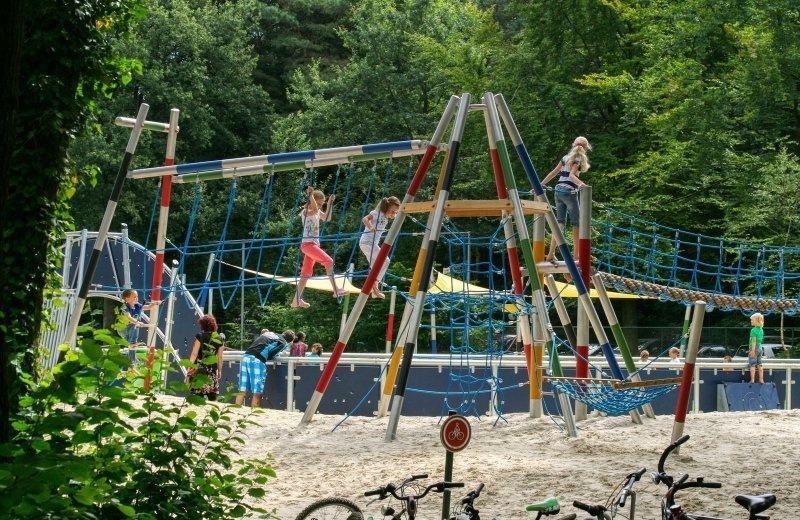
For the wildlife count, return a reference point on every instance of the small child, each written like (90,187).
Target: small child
(756,352)
(370,242)
(316,350)
(132,310)
(311,215)
(298,347)
(674,352)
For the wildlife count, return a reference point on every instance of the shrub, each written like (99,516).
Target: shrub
(90,442)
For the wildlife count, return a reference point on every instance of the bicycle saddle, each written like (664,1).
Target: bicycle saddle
(548,506)
(756,504)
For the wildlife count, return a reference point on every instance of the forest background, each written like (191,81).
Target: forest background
(692,108)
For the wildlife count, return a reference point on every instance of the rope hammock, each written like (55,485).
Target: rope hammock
(611,396)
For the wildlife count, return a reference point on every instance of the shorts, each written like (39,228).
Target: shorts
(754,362)
(252,374)
(567,203)
(313,255)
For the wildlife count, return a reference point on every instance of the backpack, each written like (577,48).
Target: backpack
(273,349)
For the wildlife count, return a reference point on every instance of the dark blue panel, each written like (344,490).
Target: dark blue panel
(751,397)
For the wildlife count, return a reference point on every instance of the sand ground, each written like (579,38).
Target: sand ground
(521,460)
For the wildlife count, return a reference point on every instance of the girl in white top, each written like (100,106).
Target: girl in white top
(370,242)
(310,216)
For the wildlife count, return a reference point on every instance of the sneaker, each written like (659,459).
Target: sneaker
(338,293)
(302,304)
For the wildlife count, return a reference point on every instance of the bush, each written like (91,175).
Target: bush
(90,442)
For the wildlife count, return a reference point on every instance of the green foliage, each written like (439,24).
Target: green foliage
(64,66)
(91,443)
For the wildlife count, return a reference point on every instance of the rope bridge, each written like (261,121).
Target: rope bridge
(643,257)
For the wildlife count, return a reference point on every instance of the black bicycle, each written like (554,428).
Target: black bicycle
(755,505)
(408,492)
(465,509)
(621,497)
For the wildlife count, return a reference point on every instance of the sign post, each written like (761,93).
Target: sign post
(454,435)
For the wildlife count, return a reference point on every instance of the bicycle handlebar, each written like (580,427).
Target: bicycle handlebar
(633,478)
(390,488)
(668,450)
(472,495)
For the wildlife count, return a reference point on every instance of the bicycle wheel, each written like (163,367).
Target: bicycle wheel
(332,508)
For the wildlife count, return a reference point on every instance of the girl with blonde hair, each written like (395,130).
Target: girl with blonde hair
(375,223)
(311,216)
(569,170)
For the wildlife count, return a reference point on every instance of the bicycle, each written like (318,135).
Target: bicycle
(615,505)
(755,504)
(465,509)
(407,492)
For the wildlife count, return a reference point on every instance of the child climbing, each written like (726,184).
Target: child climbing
(132,310)
(569,170)
(374,225)
(310,216)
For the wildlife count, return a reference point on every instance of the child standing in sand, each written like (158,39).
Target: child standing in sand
(311,215)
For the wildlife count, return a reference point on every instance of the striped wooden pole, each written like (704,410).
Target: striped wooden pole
(260,164)
(427,269)
(686,320)
(688,370)
(619,336)
(402,334)
(535,402)
(557,235)
(105,225)
(161,240)
(383,253)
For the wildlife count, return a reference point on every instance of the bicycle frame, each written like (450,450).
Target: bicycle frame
(672,511)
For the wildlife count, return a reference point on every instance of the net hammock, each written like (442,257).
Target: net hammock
(612,396)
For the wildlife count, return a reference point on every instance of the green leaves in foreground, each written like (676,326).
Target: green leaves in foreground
(92,443)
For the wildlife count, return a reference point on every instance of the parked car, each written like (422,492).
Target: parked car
(770,350)
(713,351)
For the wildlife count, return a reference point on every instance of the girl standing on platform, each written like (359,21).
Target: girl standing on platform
(569,170)
(310,216)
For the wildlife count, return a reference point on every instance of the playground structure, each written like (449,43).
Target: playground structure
(531,311)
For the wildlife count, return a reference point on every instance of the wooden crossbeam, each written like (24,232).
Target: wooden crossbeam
(477,208)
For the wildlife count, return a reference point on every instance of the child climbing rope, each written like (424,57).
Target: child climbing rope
(370,242)
(311,215)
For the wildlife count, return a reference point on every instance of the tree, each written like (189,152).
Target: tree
(48,94)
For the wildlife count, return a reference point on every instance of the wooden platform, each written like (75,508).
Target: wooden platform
(477,208)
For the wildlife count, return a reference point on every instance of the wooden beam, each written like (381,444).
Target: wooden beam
(477,208)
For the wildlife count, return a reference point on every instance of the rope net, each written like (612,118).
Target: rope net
(614,397)
(647,258)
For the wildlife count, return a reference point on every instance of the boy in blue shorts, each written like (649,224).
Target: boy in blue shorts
(253,368)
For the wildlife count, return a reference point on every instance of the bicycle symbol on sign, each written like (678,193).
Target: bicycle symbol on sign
(456,434)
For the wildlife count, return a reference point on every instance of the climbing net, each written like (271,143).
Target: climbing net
(646,258)
(611,396)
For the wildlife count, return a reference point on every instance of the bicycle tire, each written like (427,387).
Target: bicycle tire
(331,508)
